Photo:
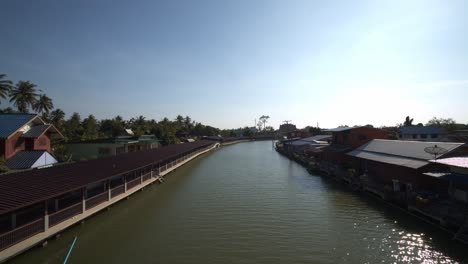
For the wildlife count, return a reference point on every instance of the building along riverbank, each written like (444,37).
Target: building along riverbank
(401,174)
(38,204)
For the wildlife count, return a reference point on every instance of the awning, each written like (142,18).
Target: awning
(455,177)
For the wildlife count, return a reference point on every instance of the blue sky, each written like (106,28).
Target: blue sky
(225,63)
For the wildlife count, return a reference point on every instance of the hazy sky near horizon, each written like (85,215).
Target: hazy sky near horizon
(225,63)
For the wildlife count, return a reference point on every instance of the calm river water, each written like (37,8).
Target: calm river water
(247,204)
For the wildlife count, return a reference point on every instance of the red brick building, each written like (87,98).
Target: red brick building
(25,140)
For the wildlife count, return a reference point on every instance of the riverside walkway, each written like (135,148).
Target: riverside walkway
(40,203)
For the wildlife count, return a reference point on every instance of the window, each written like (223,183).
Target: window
(423,135)
(362,137)
(415,136)
(104,152)
(120,150)
(433,135)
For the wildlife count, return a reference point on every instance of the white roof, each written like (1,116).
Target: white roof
(461,162)
(409,154)
(390,159)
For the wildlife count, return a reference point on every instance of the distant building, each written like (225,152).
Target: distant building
(422,133)
(25,141)
(286,128)
(307,144)
(345,139)
(299,134)
(458,136)
(93,149)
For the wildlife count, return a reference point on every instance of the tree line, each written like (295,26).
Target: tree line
(26,97)
(447,124)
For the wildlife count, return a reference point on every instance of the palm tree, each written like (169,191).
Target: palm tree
(5,86)
(43,104)
(23,95)
(57,118)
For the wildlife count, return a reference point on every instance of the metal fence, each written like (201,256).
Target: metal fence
(96,200)
(118,190)
(133,183)
(64,214)
(21,233)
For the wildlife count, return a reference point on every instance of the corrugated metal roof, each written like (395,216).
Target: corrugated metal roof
(36,131)
(317,138)
(390,159)
(429,130)
(9,123)
(28,187)
(461,162)
(339,129)
(412,149)
(24,159)
(405,153)
(302,142)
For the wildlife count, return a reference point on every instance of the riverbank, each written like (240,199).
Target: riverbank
(235,142)
(361,185)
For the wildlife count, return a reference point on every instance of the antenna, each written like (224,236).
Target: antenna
(436,151)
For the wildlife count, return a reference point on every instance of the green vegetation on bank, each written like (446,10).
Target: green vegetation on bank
(26,97)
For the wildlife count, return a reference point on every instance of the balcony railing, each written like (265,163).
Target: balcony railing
(21,233)
(65,214)
(146,177)
(118,190)
(96,200)
(133,183)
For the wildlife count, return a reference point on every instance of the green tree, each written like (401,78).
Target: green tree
(138,125)
(188,124)
(43,104)
(445,123)
(8,110)
(179,121)
(408,121)
(90,128)
(57,118)
(111,128)
(314,130)
(5,86)
(198,130)
(247,132)
(23,96)
(166,132)
(73,128)
(264,119)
